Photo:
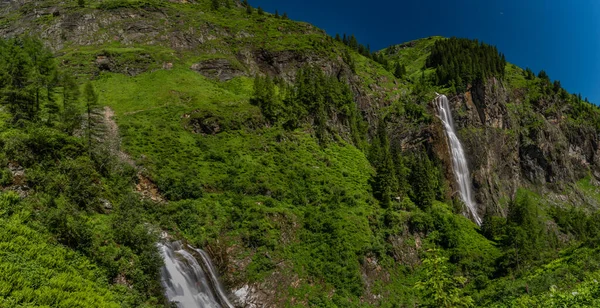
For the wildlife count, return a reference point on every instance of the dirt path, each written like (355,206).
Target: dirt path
(145,186)
(112,136)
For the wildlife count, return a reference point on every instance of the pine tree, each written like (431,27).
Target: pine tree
(15,70)
(557,86)
(422,179)
(276,14)
(94,118)
(352,42)
(529,74)
(43,72)
(264,97)
(399,70)
(71,118)
(260,11)
(248,9)
(285,16)
(385,182)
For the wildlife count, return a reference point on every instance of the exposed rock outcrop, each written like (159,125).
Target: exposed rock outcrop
(508,149)
(220,69)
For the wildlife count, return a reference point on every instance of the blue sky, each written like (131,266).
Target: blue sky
(560,36)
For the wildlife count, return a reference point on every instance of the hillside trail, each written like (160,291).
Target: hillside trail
(144,185)
(113,139)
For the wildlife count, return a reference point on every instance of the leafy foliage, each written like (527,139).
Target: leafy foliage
(439,287)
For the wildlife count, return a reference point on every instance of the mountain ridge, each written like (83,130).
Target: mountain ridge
(339,197)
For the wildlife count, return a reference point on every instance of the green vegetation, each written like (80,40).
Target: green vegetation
(116,4)
(62,245)
(459,62)
(318,180)
(440,288)
(314,98)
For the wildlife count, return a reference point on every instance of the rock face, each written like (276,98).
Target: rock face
(509,148)
(220,69)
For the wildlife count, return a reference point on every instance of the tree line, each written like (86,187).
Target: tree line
(54,131)
(459,62)
(35,91)
(313,98)
(398,69)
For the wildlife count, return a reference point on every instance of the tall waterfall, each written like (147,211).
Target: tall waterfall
(190,284)
(459,161)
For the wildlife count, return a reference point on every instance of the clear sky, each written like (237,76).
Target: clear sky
(560,36)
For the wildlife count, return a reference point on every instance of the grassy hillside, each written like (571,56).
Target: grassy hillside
(349,205)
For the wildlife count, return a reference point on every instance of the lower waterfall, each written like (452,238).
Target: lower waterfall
(459,160)
(188,283)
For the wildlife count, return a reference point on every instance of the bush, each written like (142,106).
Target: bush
(6,177)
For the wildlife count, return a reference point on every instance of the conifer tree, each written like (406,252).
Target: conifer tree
(529,74)
(385,182)
(422,179)
(16,87)
(52,108)
(399,70)
(81,3)
(71,118)
(557,86)
(461,61)
(93,121)
(277,14)
(248,9)
(260,11)
(228,4)
(43,72)
(264,97)
(285,15)
(352,42)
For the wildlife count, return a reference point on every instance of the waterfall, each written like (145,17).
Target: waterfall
(190,284)
(459,161)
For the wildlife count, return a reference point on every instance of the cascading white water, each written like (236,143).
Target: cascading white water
(459,161)
(187,283)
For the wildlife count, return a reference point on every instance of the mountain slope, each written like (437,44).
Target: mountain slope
(339,197)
